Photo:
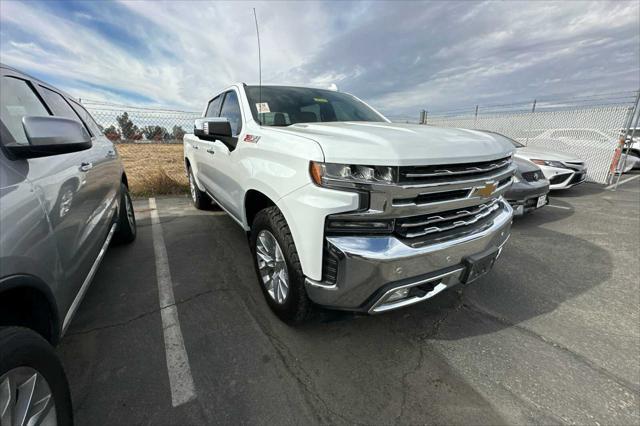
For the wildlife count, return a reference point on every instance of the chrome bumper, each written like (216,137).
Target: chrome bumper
(372,266)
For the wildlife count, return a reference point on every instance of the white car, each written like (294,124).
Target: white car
(344,208)
(562,171)
(590,142)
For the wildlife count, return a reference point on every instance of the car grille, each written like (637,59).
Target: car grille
(534,176)
(420,226)
(443,173)
(435,203)
(557,179)
(578,177)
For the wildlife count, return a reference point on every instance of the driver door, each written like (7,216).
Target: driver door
(222,164)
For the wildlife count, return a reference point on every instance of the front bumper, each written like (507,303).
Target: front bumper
(561,178)
(369,267)
(523,196)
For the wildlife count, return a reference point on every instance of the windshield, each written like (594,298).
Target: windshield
(283,106)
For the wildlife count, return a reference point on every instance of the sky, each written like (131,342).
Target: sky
(400,57)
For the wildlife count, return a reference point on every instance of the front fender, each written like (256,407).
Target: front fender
(305,210)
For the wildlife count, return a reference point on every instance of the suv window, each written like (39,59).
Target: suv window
(214,107)
(18,100)
(87,118)
(58,105)
(231,111)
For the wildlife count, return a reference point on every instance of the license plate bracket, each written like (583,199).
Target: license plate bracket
(479,264)
(542,200)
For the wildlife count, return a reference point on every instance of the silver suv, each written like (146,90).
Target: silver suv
(63,198)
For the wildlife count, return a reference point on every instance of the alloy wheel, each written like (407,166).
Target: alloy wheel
(26,399)
(272,266)
(192,187)
(129,209)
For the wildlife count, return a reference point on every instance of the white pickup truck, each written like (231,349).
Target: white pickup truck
(343,208)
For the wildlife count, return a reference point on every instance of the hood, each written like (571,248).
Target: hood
(392,144)
(524,165)
(540,153)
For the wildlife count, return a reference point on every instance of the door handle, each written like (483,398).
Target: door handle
(195,147)
(211,151)
(84,167)
(111,153)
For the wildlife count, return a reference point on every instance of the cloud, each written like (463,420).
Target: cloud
(398,56)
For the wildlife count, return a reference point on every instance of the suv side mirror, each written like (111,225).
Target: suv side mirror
(51,136)
(211,128)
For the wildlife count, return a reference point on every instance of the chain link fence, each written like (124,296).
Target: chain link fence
(126,123)
(150,144)
(588,127)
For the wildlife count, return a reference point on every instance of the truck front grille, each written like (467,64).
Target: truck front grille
(432,203)
(420,226)
(444,173)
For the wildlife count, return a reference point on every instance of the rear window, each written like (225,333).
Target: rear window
(87,118)
(58,104)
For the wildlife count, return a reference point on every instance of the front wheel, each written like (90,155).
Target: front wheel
(127,229)
(278,266)
(200,199)
(33,386)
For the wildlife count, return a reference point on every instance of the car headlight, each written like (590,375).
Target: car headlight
(549,163)
(516,179)
(324,174)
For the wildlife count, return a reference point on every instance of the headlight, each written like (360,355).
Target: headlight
(549,163)
(323,173)
(516,179)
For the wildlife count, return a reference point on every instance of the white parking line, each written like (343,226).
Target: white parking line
(558,207)
(623,181)
(180,379)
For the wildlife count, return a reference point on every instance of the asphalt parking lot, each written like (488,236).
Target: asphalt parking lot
(551,335)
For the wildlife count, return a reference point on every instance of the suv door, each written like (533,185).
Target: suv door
(65,184)
(222,164)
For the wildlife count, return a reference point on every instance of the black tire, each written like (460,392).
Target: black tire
(21,347)
(126,230)
(199,198)
(296,307)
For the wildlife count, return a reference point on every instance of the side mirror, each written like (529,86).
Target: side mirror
(51,136)
(211,128)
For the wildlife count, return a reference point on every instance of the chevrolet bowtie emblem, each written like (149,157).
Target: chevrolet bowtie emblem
(486,190)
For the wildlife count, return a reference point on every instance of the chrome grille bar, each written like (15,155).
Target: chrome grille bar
(466,170)
(486,212)
(457,215)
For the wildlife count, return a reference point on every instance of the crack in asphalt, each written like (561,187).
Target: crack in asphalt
(422,338)
(297,371)
(576,356)
(145,314)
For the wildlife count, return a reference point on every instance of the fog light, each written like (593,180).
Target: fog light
(400,293)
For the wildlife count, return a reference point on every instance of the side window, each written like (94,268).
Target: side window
(18,100)
(59,106)
(231,111)
(214,107)
(87,118)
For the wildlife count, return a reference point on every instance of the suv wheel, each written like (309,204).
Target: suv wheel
(126,230)
(199,198)
(278,266)
(33,387)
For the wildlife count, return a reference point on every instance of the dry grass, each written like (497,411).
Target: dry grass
(154,169)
